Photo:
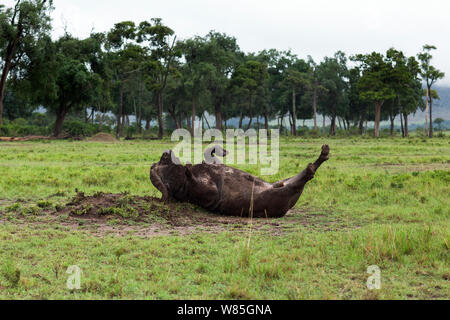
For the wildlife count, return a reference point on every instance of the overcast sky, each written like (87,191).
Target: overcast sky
(314,27)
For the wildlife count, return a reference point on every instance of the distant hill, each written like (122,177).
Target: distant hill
(441,108)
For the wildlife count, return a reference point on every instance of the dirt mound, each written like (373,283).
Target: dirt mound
(102,137)
(151,210)
(117,206)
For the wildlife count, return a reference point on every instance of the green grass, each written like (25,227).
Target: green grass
(376,202)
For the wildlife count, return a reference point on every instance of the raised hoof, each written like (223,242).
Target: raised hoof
(325,152)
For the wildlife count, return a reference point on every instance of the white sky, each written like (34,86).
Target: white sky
(314,27)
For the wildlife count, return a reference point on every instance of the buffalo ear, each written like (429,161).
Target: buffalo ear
(169,158)
(166,157)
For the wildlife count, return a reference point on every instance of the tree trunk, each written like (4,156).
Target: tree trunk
(361,123)
(294,113)
(250,123)
(174,116)
(135,111)
(403,128)
(58,124)
(405,116)
(431,114)
(392,119)
(333,120)
(194,114)
(207,122)
(119,114)
(218,112)
(160,116)
(100,128)
(333,125)
(426,111)
(139,117)
(291,123)
(60,116)
(2,92)
(378,106)
(251,112)
(240,120)
(315,106)
(10,51)
(147,124)
(266,121)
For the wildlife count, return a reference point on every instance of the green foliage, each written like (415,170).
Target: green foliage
(76,128)
(21,127)
(142,70)
(22,29)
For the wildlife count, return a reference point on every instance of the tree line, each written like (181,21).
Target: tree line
(144,70)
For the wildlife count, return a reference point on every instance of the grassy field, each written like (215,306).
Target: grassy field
(376,202)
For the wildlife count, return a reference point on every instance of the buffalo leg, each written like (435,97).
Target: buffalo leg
(299,181)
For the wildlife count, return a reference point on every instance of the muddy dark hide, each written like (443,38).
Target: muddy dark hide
(225,190)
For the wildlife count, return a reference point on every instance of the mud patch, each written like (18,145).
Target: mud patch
(145,216)
(124,214)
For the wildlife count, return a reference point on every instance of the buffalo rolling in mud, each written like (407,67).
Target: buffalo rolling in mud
(222,189)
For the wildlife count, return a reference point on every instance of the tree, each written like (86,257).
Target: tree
(430,75)
(68,82)
(221,54)
(297,78)
(21,27)
(195,72)
(439,122)
(278,93)
(316,89)
(410,95)
(17,102)
(268,101)
(250,77)
(160,41)
(175,97)
(406,85)
(124,58)
(101,64)
(360,111)
(375,83)
(332,74)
